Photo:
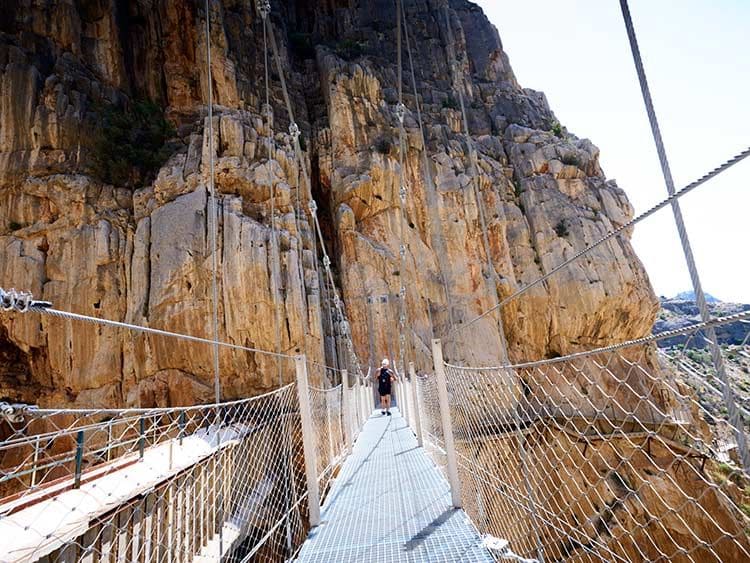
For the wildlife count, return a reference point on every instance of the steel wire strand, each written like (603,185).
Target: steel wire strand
(437,226)
(700,298)
(459,85)
(149,330)
(294,132)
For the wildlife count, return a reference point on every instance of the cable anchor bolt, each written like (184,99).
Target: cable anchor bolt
(312,206)
(400,112)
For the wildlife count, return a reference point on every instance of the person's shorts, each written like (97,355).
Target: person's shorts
(384,391)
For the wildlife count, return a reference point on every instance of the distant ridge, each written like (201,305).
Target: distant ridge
(690,296)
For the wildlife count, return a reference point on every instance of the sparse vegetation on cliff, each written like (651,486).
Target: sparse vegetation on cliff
(130,144)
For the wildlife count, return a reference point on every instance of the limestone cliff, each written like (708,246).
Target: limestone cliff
(139,251)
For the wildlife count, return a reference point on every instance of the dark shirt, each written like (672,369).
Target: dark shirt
(384,379)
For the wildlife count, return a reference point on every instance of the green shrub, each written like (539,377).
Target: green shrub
(557,129)
(130,145)
(302,44)
(570,160)
(561,229)
(348,49)
(450,103)
(383,145)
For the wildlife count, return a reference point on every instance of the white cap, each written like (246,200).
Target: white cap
(385,362)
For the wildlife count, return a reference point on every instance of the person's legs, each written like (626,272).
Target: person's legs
(382,403)
(388,404)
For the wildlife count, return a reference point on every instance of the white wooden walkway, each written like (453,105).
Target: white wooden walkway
(391,503)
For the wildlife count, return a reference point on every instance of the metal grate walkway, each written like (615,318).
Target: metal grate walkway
(391,503)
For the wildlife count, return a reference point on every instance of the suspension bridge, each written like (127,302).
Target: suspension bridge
(601,455)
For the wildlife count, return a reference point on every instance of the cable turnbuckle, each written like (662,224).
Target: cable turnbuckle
(15,412)
(263,7)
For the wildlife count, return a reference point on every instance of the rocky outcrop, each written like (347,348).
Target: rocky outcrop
(679,313)
(143,255)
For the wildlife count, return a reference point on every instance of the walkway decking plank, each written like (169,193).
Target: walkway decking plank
(391,503)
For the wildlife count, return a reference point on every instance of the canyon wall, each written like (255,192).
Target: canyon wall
(138,250)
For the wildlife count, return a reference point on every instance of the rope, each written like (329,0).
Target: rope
(312,207)
(402,191)
(438,237)
(264,8)
(212,213)
(617,232)
(711,324)
(700,298)
(459,85)
(45,309)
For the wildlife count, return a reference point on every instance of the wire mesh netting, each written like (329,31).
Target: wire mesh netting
(161,484)
(326,411)
(432,427)
(601,456)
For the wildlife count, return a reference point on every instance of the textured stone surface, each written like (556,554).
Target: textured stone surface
(143,256)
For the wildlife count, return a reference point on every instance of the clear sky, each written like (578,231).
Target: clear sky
(697,58)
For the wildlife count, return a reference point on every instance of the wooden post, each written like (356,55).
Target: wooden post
(308,441)
(79,460)
(357,400)
(346,412)
(415,405)
(366,411)
(445,416)
(404,406)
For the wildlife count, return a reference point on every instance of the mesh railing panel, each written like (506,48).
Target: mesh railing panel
(164,484)
(326,410)
(606,456)
(432,427)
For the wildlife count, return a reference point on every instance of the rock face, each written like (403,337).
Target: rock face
(143,255)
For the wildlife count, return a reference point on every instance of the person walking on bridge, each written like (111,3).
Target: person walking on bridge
(385,379)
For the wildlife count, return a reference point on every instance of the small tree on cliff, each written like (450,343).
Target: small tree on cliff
(130,144)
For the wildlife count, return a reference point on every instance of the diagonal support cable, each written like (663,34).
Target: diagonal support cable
(700,297)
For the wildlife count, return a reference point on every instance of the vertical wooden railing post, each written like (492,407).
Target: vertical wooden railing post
(35,462)
(402,382)
(445,417)
(141,437)
(346,409)
(363,394)
(356,399)
(79,460)
(415,405)
(308,441)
